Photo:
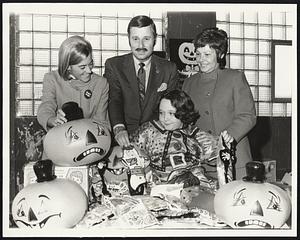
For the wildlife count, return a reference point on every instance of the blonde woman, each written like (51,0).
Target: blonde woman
(74,81)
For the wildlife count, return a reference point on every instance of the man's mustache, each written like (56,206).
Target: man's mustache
(141,49)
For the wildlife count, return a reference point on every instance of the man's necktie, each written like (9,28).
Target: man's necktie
(141,81)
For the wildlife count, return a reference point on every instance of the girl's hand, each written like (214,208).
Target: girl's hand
(228,139)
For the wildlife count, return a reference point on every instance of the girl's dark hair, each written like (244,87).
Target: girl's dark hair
(217,39)
(185,109)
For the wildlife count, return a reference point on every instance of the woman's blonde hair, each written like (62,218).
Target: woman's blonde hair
(72,51)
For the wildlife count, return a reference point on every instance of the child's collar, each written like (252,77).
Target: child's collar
(161,128)
(190,131)
(158,125)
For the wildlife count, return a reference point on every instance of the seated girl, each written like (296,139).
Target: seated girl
(175,149)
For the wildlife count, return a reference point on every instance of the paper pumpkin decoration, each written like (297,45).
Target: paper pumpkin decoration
(252,202)
(186,53)
(76,143)
(50,203)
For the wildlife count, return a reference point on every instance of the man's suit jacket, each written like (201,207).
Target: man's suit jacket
(123,105)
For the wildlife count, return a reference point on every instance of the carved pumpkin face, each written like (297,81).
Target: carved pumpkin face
(59,203)
(186,53)
(78,142)
(243,204)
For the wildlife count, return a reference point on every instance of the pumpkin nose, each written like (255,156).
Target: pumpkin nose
(257,209)
(31,215)
(90,138)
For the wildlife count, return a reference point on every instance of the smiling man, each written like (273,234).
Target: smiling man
(137,80)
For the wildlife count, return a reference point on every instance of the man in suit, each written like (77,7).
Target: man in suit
(137,80)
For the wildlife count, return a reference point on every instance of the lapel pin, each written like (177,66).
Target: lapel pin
(88,94)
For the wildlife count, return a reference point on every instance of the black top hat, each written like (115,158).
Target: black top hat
(255,172)
(44,170)
(72,111)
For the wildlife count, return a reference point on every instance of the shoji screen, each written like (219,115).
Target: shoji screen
(250,51)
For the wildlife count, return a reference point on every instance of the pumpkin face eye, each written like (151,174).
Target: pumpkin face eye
(239,198)
(240,201)
(20,212)
(243,202)
(21,206)
(71,136)
(274,202)
(42,208)
(100,130)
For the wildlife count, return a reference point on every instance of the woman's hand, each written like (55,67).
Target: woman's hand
(58,120)
(228,139)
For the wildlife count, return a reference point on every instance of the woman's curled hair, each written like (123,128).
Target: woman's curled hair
(215,38)
(185,109)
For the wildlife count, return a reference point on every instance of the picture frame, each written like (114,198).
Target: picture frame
(281,71)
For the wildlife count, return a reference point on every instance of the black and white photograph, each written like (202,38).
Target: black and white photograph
(149,120)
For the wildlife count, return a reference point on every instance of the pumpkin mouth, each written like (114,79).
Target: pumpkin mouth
(190,58)
(253,222)
(97,150)
(40,224)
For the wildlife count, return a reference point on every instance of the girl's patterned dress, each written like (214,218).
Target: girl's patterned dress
(175,156)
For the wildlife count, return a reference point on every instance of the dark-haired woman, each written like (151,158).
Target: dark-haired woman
(222,96)
(175,148)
